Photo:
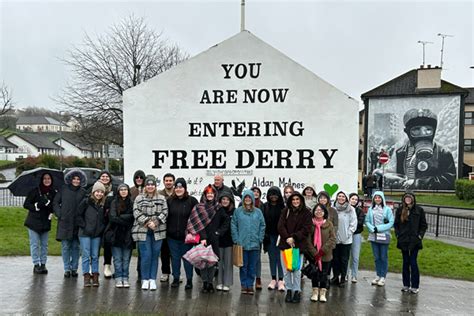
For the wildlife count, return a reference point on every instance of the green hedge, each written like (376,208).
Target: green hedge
(465,189)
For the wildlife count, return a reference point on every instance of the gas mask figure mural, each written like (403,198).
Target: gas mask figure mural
(425,164)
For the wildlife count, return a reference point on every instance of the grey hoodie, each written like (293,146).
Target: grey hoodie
(347,221)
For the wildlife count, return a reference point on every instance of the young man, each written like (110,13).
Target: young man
(165,255)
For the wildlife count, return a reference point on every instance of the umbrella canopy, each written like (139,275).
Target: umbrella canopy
(30,179)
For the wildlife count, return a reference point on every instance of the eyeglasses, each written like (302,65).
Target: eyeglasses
(150,185)
(139,177)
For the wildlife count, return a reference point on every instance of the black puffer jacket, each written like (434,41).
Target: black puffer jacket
(360,220)
(410,233)
(120,223)
(179,211)
(90,218)
(38,212)
(66,203)
(272,213)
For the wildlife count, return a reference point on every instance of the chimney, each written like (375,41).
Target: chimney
(428,78)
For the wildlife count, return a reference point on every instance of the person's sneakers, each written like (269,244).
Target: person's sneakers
(189,285)
(354,280)
(289,296)
(74,274)
(145,284)
(166,278)
(315,294)
(37,269)
(152,285)
(414,291)
(118,283)
(43,269)
(258,284)
(250,291)
(296,297)
(405,289)
(272,285)
(243,290)
(175,282)
(322,295)
(95,279)
(225,288)
(67,274)
(381,282)
(281,286)
(107,271)
(376,281)
(87,280)
(219,287)
(126,283)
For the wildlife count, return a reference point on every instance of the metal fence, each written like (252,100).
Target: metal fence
(8,199)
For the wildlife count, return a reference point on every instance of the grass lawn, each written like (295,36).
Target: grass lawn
(7,163)
(444,199)
(436,259)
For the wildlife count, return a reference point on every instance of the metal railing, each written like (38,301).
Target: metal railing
(8,199)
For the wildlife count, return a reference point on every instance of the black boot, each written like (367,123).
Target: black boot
(74,274)
(67,274)
(189,285)
(296,297)
(210,287)
(37,269)
(204,288)
(175,282)
(289,296)
(43,269)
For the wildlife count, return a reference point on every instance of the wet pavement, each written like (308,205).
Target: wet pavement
(22,292)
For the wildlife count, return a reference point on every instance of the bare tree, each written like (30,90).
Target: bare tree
(103,68)
(6,100)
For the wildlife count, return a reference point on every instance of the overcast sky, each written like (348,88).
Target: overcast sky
(354,45)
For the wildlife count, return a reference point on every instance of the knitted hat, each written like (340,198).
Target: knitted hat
(98,186)
(122,186)
(150,179)
(180,182)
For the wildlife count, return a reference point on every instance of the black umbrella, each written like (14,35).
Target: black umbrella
(30,179)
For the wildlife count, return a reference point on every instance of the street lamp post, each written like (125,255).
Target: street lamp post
(61,140)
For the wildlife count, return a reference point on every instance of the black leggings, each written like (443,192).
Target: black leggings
(340,260)
(320,278)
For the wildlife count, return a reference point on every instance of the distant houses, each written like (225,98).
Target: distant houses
(41,124)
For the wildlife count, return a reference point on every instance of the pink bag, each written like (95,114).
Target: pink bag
(201,256)
(192,239)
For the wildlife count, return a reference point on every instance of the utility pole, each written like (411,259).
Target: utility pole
(242,15)
(443,36)
(424,44)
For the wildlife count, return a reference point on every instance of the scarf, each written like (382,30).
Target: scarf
(341,207)
(317,240)
(44,189)
(201,216)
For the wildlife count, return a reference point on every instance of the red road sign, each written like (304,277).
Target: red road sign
(384,158)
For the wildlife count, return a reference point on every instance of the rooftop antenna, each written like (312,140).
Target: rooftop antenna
(424,44)
(242,15)
(443,36)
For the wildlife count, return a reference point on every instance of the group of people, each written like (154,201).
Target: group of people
(119,219)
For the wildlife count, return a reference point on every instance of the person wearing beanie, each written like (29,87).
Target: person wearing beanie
(321,242)
(180,204)
(209,222)
(91,226)
(271,212)
(379,221)
(119,234)
(347,225)
(225,276)
(410,227)
(65,205)
(149,229)
(294,228)
(353,268)
(39,204)
(248,231)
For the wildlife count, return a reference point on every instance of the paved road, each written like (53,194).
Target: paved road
(22,292)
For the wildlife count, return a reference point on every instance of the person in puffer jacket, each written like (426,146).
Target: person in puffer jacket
(248,231)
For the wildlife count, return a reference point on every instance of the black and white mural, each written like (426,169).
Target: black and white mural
(421,136)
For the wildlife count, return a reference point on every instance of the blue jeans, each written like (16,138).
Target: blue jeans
(121,256)
(177,249)
(249,269)
(150,252)
(38,246)
(275,259)
(292,278)
(70,254)
(380,252)
(90,247)
(355,253)
(410,273)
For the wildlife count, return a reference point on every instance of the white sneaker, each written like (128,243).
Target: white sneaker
(225,288)
(118,283)
(414,291)
(145,285)
(219,287)
(381,282)
(126,284)
(376,280)
(152,285)
(107,271)
(281,286)
(272,285)
(405,289)
(164,278)
(354,280)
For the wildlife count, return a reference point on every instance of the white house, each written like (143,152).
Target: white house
(33,144)
(40,124)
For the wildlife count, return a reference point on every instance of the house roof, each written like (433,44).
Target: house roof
(74,140)
(470,96)
(36,139)
(30,120)
(5,143)
(405,85)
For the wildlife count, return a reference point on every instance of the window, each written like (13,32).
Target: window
(468,118)
(469,145)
